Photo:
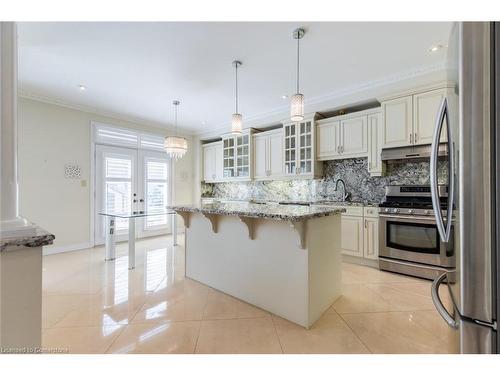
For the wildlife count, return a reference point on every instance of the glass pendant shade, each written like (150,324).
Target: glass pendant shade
(236,123)
(297,107)
(176,147)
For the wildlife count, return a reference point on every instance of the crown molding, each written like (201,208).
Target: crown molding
(100,112)
(324,102)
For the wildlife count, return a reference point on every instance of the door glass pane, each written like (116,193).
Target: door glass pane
(118,197)
(156,192)
(118,168)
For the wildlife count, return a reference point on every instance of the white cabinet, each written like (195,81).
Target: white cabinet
(410,120)
(353,137)
(375,165)
(398,128)
(352,235)
(328,140)
(212,162)
(268,155)
(370,233)
(342,137)
(300,149)
(425,108)
(236,156)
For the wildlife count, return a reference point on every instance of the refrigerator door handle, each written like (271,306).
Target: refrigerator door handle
(444,231)
(448,318)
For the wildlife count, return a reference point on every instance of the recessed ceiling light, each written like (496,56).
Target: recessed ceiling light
(82,87)
(436,48)
(284,96)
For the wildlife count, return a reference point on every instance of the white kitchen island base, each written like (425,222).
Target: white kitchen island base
(261,261)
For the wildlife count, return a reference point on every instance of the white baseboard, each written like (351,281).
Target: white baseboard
(49,250)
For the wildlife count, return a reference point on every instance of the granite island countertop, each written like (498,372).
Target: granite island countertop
(39,237)
(287,212)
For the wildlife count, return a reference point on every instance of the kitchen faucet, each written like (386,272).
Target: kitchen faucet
(346,194)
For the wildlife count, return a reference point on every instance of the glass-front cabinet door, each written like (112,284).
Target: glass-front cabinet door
(242,156)
(237,156)
(228,153)
(290,148)
(299,156)
(305,147)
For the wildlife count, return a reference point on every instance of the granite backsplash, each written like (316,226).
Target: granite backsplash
(359,184)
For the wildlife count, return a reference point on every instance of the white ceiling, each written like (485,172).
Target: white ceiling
(137,69)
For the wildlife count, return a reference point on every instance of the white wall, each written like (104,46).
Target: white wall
(51,136)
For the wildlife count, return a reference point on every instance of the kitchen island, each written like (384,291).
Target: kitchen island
(285,259)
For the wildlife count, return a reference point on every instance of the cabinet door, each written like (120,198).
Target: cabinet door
(260,156)
(425,110)
(305,152)
(370,238)
(375,144)
(397,129)
(243,156)
(209,163)
(327,140)
(275,154)
(228,158)
(290,150)
(352,235)
(219,158)
(353,137)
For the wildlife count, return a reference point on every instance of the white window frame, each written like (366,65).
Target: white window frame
(145,136)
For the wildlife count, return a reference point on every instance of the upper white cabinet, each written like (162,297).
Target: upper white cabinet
(353,137)
(375,165)
(237,156)
(300,149)
(425,109)
(409,120)
(212,162)
(343,137)
(268,155)
(398,130)
(328,140)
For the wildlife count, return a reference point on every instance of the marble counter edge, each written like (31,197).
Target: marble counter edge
(260,215)
(41,237)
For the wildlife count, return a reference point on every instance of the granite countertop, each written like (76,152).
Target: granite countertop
(39,237)
(312,202)
(263,211)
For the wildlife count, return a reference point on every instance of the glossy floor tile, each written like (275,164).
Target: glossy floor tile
(92,306)
(243,336)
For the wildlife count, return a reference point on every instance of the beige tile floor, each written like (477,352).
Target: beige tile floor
(92,306)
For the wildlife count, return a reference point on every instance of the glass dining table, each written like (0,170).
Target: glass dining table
(111,217)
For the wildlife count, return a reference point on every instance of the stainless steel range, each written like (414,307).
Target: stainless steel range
(409,238)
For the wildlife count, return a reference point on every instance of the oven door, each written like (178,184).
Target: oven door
(414,239)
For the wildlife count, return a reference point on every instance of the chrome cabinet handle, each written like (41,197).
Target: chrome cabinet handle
(444,232)
(436,300)
(415,138)
(411,137)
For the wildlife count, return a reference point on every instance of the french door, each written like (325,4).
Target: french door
(131,180)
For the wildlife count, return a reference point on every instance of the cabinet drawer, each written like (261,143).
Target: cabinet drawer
(371,211)
(352,211)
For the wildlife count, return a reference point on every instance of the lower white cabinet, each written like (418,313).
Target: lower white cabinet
(360,232)
(268,155)
(352,235)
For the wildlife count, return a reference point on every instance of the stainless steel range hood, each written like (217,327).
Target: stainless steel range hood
(412,152)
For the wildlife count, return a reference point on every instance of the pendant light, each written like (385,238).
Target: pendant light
(237,118)
(297,99)
(176,146)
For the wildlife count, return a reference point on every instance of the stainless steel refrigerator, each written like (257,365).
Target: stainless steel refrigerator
(471,119)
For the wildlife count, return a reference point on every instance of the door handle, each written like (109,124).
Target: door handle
(436,300)
(444,232)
